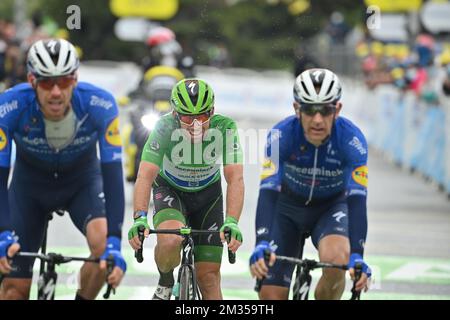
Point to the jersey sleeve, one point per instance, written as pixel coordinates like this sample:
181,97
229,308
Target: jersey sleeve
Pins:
357,154
275,153
233,150
106,116
9,111
157,143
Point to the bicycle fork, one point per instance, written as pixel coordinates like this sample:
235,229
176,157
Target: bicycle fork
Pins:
47,283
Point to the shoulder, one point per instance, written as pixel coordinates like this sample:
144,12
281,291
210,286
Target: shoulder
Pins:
347,129
96,100
16,99
22,90
221,122
351,137
165,125
285,128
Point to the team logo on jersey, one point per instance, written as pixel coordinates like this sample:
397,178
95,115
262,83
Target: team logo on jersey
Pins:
3,140
268,170
154,145
360,175
112,134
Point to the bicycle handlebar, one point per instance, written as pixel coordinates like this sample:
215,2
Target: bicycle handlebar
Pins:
55,258
313,264
58,259
184,231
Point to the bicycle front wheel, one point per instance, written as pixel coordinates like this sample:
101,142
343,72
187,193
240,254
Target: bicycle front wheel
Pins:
187,283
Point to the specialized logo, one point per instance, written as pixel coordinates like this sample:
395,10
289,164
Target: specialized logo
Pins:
339,215
192,87
3,140
112,134
51,45
262,231
154,145
269,169
214,227
169,200
361,176
317,74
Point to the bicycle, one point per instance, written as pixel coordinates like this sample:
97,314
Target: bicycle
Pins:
302,282
47,274
48,277
186,287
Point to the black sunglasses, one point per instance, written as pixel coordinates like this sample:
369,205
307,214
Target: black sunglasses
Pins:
324,109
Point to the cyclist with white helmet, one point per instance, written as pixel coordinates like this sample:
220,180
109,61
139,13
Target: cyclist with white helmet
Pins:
314,183
182,160
56,123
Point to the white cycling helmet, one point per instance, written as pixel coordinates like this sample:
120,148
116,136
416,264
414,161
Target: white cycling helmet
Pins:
317,86
52,58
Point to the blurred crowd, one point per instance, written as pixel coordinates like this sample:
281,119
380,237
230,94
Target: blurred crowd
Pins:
423,67
15,42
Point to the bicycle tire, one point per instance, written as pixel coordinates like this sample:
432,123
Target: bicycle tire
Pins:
186,281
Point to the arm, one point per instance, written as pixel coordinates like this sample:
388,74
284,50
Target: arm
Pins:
142,188
235,190
5,223
357,212
357,206
265,212
146,176
234,203
114,196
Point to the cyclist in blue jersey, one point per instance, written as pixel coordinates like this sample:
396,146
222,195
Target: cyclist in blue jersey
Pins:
314,183
56,123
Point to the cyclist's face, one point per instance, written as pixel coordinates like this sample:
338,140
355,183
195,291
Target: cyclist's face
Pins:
54,95
317,122
196,126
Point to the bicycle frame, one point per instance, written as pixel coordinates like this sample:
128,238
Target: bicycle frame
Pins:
187,258
303,278
47,271
48,278
302,282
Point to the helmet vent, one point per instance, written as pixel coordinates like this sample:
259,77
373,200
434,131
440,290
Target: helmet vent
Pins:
180,97
67,58
205,98
329,88
41,60
304,88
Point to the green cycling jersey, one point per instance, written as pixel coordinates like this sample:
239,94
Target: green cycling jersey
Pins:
191,166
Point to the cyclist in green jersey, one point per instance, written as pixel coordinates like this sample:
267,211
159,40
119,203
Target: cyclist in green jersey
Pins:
182,160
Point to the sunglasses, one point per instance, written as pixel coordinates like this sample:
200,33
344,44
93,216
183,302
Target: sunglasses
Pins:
188,120
324,109
62,82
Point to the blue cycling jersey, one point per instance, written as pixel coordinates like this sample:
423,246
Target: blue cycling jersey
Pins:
312,173
22,120
96,115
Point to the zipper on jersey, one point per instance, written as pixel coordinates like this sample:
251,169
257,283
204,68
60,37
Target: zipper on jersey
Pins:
314,177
